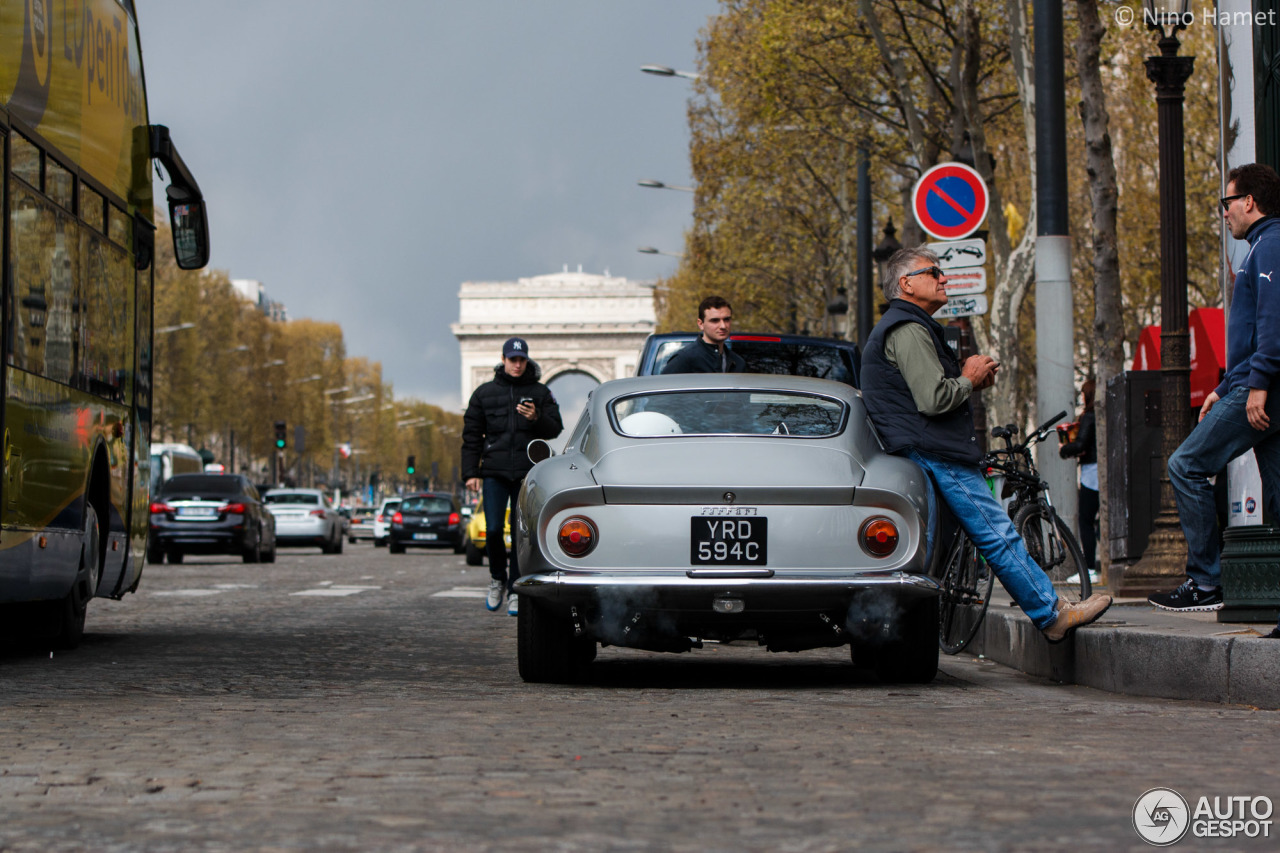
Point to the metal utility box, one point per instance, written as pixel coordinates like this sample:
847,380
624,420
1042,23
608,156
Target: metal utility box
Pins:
1134,463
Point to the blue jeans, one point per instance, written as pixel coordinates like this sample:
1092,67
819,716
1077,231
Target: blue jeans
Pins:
1223,435
965,490
499,493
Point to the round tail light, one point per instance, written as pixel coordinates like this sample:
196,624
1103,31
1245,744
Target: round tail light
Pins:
454,519
397,519
577,536
879,537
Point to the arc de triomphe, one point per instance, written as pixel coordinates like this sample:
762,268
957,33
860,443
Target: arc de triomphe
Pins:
575,322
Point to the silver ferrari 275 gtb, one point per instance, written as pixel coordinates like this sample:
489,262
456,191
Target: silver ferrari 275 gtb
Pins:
696,508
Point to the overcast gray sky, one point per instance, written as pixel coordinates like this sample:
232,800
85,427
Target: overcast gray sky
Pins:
364,159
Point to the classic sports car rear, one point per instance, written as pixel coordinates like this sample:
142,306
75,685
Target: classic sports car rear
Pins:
709,508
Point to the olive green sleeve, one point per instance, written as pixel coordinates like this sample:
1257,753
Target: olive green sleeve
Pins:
909,347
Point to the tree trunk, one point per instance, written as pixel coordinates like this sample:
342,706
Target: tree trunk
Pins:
1108,323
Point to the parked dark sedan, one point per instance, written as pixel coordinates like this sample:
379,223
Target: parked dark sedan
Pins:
790,355
426,519
211,514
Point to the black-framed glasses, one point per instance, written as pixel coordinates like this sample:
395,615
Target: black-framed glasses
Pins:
936,272
1227,199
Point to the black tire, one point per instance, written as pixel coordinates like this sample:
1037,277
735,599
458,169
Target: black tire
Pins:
475,556
460,546
395,547
175,557
155,556
1054,548
68,615
547,652
254,554
379,543
965,595
337,546
351,540
269,556
909,654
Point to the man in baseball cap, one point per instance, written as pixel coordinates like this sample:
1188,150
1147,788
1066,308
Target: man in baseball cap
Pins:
503,416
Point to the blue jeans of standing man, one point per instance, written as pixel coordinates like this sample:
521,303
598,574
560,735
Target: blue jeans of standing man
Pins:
1223,435
499,493
965,490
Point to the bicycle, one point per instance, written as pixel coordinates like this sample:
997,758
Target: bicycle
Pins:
967,581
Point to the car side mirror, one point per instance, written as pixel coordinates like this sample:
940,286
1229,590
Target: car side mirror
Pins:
539,450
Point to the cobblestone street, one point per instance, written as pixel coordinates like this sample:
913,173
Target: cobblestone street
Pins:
368,701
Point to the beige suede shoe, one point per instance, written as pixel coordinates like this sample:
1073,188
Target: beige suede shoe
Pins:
1072,616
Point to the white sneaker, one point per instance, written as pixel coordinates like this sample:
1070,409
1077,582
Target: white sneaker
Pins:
1094,578
513,605
494,599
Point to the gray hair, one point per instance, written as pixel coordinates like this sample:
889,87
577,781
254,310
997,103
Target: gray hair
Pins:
904,261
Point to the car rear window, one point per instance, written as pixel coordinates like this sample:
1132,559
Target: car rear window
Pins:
205,484
292,498
431,504
736,412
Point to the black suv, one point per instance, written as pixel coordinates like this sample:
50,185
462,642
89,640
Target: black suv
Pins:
426,519
790,355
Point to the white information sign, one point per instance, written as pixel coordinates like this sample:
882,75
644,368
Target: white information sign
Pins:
962,306
966,280
959,253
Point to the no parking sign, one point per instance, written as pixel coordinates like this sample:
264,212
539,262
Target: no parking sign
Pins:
950,201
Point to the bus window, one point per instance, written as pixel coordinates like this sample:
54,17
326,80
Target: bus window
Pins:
59,185
47,278
119,226
91,208
25,160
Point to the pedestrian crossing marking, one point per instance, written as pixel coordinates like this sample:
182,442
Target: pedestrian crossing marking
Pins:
462,592
332,590
188,593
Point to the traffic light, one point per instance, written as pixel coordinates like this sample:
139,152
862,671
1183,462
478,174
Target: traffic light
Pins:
409,467
280,436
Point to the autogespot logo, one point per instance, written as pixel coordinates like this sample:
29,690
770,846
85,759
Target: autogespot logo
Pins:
1161,817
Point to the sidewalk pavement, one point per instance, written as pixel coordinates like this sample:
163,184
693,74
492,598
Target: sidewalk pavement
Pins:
1136,649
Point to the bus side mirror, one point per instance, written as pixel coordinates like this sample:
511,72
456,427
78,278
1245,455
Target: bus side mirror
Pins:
190,226
187,216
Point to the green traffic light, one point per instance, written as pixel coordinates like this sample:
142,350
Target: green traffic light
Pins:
280,443
411,470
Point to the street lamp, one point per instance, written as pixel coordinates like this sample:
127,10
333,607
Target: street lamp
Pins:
1164,561
665,71
650,250
164,330
659,185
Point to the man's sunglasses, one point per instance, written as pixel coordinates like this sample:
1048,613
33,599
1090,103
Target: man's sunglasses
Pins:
1226,200
936,272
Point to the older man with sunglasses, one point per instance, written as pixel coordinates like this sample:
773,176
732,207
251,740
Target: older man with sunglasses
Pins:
1243,412
917,393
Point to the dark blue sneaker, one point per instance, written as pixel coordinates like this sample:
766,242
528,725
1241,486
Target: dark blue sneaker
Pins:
1188,598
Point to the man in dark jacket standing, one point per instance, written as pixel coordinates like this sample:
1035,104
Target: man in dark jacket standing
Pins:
917,394
708,354
504,415
1243,412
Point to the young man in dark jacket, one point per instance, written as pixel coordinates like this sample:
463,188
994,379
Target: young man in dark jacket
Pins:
708,354
504,415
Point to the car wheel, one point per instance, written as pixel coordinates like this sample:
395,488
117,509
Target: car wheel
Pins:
379,543
475,556
396,547
269,556
254,554
175,557
351,540
337,545
546,649
155,556
910,654
459,546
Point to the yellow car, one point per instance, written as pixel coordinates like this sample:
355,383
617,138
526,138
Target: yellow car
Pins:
475,535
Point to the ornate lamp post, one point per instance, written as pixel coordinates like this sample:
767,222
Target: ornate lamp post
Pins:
1164,562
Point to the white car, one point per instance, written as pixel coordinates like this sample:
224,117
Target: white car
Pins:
305,517
382,521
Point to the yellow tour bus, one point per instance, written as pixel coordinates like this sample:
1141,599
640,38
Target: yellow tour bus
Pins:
78,242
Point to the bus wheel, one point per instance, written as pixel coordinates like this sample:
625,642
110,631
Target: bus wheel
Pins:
70,612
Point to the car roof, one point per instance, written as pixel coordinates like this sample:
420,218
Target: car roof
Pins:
288,491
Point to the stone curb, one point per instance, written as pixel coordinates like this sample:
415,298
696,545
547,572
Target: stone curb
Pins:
1127,656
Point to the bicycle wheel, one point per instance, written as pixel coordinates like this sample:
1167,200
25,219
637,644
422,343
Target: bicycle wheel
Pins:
1055,549
966,592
